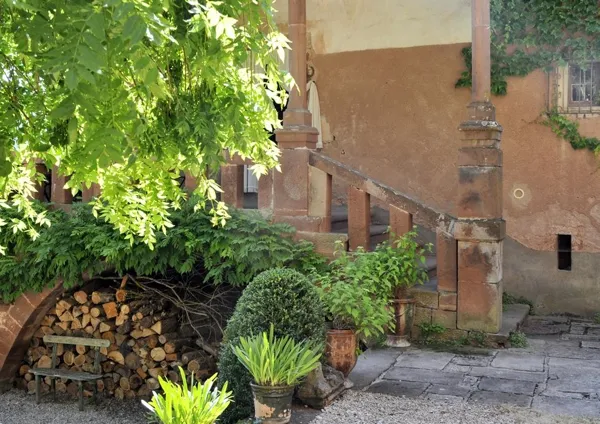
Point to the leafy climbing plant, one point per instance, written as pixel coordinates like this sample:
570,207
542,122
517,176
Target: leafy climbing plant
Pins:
131,93
541,34
77,243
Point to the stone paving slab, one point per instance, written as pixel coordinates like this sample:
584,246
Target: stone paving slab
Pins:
371,364
590,345
454,391
574,375
536,377
398,388
445,398
563,406
423,359
477,361
423,375
495,398
504,385
516,361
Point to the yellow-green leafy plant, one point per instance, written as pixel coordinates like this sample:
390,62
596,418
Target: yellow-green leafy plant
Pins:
193,404
277,361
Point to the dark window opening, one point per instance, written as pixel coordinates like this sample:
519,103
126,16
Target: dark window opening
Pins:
564,252
584,84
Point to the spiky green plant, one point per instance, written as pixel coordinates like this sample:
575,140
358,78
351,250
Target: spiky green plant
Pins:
277,361
183,404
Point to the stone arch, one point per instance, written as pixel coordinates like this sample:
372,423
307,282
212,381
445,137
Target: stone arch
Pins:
18,322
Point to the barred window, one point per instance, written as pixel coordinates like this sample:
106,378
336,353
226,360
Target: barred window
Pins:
584,83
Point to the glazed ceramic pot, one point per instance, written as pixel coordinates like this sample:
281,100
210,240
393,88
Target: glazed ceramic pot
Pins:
272,404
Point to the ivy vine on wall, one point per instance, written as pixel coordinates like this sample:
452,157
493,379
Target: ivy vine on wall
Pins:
541,34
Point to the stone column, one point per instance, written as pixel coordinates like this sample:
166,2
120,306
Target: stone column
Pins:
480,228
297,137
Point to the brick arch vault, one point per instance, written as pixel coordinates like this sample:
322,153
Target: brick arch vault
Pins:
18,322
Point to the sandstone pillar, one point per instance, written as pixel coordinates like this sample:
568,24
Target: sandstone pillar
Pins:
297,137
480,228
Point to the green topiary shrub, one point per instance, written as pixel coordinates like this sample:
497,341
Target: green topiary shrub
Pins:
282,297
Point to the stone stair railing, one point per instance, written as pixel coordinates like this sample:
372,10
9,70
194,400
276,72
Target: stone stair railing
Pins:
435,303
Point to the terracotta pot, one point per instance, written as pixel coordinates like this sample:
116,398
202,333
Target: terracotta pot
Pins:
272,404
341,350
404,311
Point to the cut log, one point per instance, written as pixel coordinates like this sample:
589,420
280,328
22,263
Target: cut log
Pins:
120,339
61,387
136,334
101,297
110,309
158,354
125,310
165,325
135,381
63,306
156,372
152,383
76,311
167,337
31,387
79,360
193,365
69,358
123,371
104,327
95,323
119,393
190,356
48,321
110,336
171,357
80,296
85,320
89,329
121,295
121,319
100,385
151,341
145,322
116,356
124,384
75,324
66,316
35,342
173,376
108,366
95,312
43,331
144,391
85,309
143,374
72,388
24,369
103,351
132,361
44,362
81,349
125,328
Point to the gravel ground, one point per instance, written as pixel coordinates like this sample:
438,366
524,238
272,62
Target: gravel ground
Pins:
368,408
16,407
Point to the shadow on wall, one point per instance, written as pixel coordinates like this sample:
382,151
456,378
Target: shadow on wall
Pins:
535,275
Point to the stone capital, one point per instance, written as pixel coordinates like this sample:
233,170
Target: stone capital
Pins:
297,136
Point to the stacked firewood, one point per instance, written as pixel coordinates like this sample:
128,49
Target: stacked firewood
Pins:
149,339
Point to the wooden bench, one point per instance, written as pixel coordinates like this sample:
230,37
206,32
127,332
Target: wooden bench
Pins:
78,376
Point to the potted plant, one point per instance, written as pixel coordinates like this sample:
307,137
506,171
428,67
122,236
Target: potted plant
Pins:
277,365
395,267
354,305
180,404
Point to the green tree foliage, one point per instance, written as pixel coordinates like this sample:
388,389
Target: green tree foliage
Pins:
129,94
282,297
78,243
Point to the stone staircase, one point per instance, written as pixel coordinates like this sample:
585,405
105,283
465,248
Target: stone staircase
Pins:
379,232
